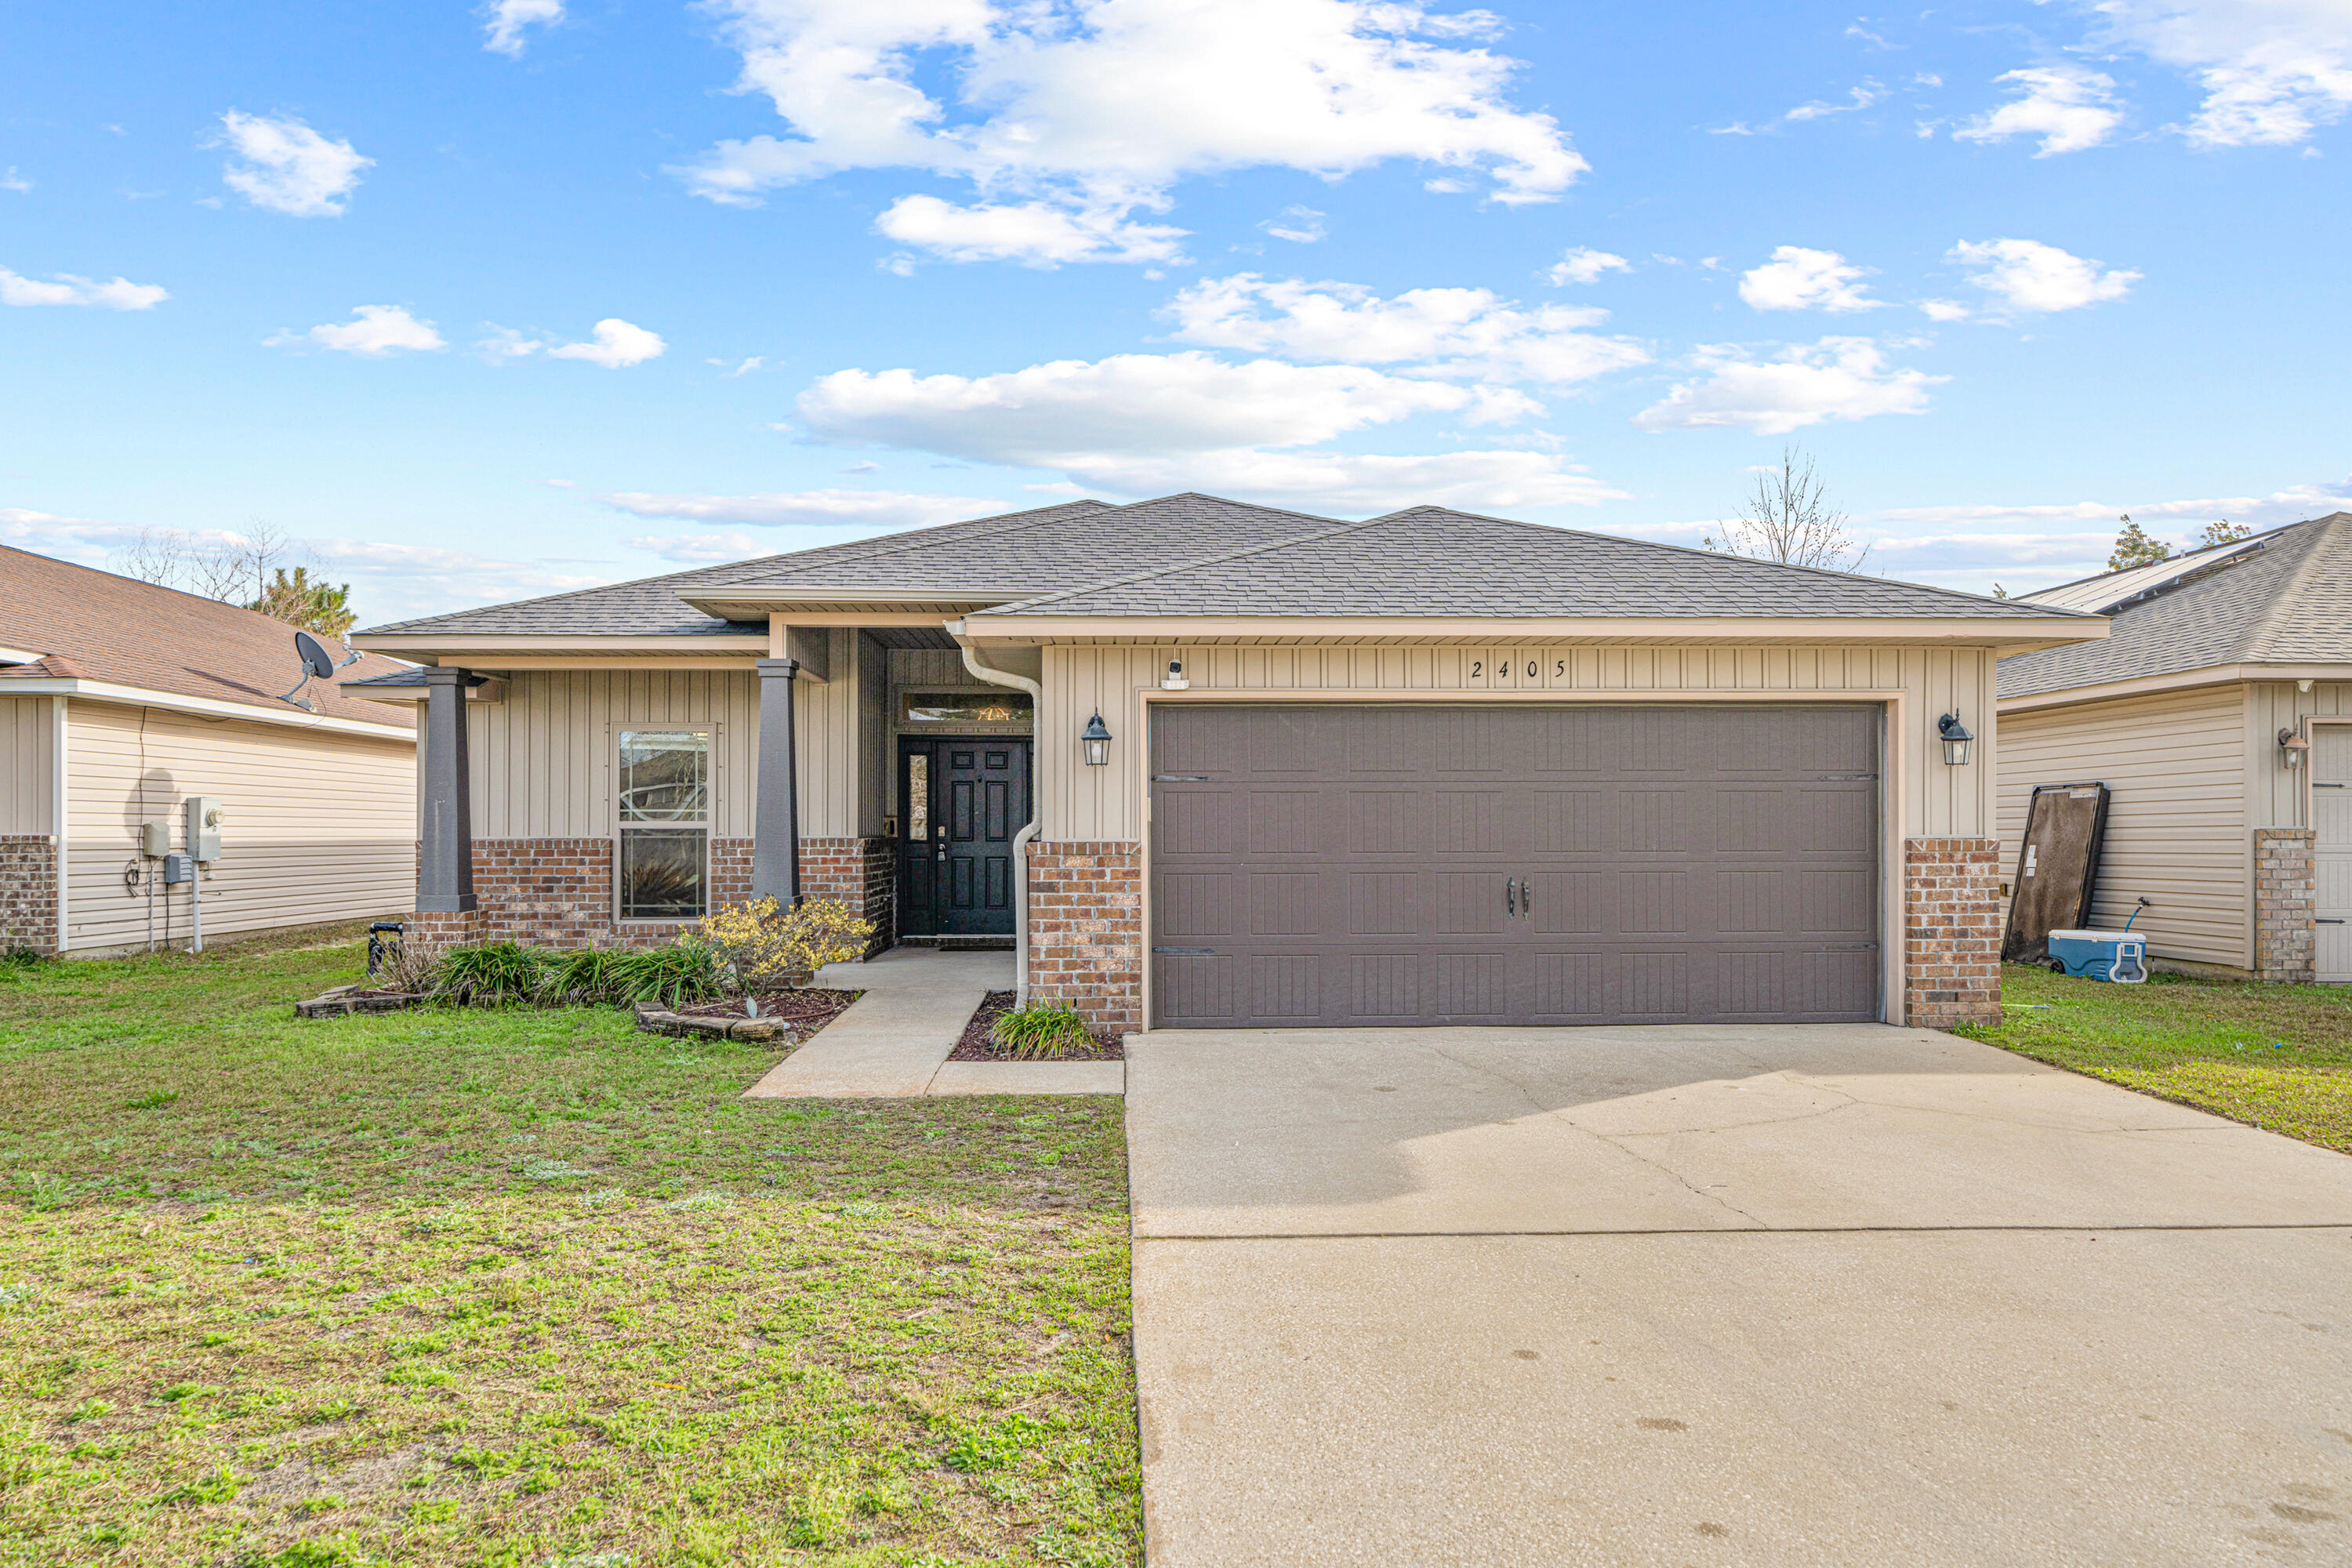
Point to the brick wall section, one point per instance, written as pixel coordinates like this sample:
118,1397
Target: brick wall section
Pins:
2286,939
558,892
1086,928
430,933
28,893
862,873
1951,931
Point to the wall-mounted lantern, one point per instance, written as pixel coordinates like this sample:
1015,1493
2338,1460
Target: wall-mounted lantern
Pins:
1957,739
1175,679
2292,748
1096,739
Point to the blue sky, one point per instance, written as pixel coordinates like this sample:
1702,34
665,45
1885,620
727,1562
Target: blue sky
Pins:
477,303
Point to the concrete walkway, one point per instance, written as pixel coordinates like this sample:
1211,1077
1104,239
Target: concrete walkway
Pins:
893,1042
1758,1295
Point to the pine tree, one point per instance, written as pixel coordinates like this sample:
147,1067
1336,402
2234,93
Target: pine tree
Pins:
2134,548
318,608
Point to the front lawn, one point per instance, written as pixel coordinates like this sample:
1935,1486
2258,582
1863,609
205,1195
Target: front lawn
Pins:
2278,1057
532,1288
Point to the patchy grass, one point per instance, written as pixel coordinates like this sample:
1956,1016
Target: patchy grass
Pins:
2278,1057
530,1287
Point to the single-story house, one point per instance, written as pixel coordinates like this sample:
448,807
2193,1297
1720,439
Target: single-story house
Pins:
1212,765
2219,714
122,701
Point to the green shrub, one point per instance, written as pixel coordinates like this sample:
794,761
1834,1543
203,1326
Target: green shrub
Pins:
1042,1031
585,976
671,975
495,974
768,945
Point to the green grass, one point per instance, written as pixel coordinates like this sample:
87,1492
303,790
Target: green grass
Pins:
2278,1057
530,1287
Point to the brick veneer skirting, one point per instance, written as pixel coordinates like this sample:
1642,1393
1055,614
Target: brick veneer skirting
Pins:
1086,928
2286,937
1951,931
28,893
558,892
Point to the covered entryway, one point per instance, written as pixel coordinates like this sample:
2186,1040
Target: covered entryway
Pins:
961,799
1382,865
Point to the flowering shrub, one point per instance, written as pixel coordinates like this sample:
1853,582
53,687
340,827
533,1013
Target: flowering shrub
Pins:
768,945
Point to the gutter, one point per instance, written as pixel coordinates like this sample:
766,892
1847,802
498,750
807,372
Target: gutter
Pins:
202,707
996,677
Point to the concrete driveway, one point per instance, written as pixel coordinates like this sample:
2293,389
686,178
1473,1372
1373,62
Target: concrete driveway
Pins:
1831,1294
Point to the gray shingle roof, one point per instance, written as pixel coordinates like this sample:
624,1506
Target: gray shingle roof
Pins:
1200,555
1431,560
2288,603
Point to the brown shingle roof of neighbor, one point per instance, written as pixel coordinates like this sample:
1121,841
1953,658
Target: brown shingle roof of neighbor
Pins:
1195,554
2286,601
94,626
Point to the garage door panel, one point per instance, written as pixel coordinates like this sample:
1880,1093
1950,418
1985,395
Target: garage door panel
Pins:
1668,874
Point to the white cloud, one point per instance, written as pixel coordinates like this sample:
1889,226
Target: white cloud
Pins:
1343,482
1468,332
808,509
504,21
1945,309
2028,276
284,165
1036,234
1862,97
2272,70
615,344
1300,225
1837,378
13,181
2068,107
1580,264
1102,113
376,331
66,288
1797,279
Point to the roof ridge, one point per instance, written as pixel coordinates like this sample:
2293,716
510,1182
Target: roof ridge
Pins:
1217,559
2314,558
2252,539
1722,555
916,538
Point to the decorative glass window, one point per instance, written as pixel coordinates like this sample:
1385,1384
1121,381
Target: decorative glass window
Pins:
964,707
664,779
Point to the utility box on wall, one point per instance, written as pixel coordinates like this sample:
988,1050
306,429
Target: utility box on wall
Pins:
204,816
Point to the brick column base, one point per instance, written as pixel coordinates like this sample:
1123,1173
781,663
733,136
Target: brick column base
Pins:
1085,930
28,893
2286,939
1951,931
424,932
862,873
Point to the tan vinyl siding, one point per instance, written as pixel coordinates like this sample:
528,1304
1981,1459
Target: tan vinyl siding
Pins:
544,759
320,826
1097,804
26,765
2276,799
2177,822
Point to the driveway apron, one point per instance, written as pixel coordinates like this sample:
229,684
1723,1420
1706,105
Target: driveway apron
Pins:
1819,1294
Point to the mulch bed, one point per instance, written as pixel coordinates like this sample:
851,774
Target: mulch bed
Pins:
976,1047
807,1009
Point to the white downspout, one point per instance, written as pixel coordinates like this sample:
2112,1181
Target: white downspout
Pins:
996,677
59,729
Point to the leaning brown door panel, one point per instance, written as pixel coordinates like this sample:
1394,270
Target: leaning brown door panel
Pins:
1399,865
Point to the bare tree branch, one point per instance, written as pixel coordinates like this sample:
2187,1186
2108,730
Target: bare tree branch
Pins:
1790,519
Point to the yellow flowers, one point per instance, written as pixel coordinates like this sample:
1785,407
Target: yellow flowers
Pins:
769,945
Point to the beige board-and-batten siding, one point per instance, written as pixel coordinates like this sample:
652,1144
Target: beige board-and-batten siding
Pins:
2277,796
2178,821
1106,803
321,825
28,764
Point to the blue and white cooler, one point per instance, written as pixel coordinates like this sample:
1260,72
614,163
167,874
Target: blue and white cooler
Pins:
2112,956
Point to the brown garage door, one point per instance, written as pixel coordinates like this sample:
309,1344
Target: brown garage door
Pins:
1375,865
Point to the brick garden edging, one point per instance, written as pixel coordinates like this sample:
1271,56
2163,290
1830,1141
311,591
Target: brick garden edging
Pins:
1951,931
1086,928
2287,904
28,893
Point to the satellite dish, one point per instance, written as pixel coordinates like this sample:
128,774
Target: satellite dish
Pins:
317,662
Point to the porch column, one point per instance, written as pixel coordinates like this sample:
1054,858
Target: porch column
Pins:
776,817
445,864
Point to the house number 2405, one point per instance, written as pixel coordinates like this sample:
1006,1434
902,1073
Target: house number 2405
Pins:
1503,666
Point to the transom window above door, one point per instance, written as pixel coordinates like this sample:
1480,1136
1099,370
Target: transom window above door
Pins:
964,707
665,826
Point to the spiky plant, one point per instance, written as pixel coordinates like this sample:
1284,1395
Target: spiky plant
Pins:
1042,1031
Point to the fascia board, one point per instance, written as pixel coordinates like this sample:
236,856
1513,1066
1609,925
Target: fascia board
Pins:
2176,680
2005,632
425,650
204,707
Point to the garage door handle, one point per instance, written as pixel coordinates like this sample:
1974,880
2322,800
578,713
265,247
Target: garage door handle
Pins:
1527,895
2330,921
1510,896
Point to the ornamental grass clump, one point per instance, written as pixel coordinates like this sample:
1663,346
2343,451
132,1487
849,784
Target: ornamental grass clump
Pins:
1042,1032
768,946
495,974
687,969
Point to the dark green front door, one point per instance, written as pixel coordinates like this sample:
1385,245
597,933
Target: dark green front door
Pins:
960,801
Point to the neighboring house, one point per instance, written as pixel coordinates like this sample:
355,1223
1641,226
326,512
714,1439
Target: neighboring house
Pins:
1425,768
2219,713
119,701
